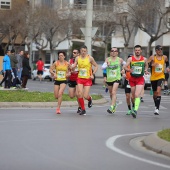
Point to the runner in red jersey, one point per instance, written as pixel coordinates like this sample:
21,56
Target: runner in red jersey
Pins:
40,68
72,82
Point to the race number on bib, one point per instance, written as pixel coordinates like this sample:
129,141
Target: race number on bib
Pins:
159,68
83,72
112,73
137,70
61,74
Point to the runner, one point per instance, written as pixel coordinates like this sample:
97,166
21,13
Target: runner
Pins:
157,63
113,68
85,76
166,90
40,68
138,65
59,70
72,82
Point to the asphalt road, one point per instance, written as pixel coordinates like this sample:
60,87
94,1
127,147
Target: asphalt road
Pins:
36,139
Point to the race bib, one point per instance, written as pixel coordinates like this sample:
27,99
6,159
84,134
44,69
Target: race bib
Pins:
137,70
159,68
83,72
112,73
61,74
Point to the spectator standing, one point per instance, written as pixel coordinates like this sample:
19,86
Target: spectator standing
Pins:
40,68
7,70
26,69
19,65
14,62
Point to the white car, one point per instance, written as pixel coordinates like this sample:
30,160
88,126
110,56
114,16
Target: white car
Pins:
46,73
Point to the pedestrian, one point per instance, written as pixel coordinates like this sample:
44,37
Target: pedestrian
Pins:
166,90
7,70
72,80
26,70
59,70
19,65
40,68
138,66
85,75
129,99
14,61
104,80
113,68
157,63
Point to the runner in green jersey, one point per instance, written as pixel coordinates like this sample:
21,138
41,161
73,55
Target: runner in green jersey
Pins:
113,67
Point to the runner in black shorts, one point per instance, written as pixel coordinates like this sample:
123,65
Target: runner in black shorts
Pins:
166,90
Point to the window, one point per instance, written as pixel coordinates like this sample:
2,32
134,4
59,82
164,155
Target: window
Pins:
5,4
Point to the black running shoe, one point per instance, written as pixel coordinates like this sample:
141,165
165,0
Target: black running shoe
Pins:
134,113
79,110
83,112
90,103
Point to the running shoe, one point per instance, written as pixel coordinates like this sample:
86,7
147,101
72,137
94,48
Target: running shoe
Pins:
90,103
141,99
83,112
129,112
165,91
79,110
106,89
134,113
156,112
111,110
104,86
58,111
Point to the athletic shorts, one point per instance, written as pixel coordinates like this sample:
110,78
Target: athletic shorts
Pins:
56,82
111,83
157,83
104,75
133,81
72,84
166,76
85,82
39,72
127,86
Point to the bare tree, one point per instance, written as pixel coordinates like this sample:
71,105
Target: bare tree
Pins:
151,17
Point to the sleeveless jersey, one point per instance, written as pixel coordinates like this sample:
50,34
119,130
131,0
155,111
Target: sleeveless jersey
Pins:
84,67
158,71
113,70
74,75
61,70
137,66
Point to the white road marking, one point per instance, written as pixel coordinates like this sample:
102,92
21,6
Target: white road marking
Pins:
110,143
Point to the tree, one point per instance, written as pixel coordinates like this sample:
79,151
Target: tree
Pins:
151,17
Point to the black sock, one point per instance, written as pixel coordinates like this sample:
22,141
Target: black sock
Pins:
165,87
158,101
129,107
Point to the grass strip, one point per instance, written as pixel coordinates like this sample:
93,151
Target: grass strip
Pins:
25,96
165,134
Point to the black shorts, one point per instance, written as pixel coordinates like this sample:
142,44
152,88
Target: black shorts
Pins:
111,83
72,84
127,86
157,83
39,72
166,76
56,82
104,75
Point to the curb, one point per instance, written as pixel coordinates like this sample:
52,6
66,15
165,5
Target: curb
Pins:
156,144
46,104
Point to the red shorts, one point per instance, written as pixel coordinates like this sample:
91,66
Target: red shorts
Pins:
85,82
133,81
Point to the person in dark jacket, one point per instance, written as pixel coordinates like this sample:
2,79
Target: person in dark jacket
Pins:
14,62
26,69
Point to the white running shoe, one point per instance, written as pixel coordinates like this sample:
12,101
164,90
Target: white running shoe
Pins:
156,112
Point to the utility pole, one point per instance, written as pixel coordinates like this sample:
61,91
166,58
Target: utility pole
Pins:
88,30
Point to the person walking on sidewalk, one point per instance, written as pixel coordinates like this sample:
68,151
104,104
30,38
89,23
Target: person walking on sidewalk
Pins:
40,68
157,63
7,70
113,71
14,62
59,70
138,65
19,64
72,80
85,76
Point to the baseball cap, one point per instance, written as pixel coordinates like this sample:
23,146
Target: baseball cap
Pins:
158,47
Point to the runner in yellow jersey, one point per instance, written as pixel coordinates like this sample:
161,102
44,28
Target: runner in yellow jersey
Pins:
157,63
59,71
85,76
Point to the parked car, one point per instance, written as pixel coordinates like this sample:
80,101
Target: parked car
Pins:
46,73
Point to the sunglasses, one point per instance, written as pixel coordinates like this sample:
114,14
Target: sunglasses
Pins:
113,51
74,52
